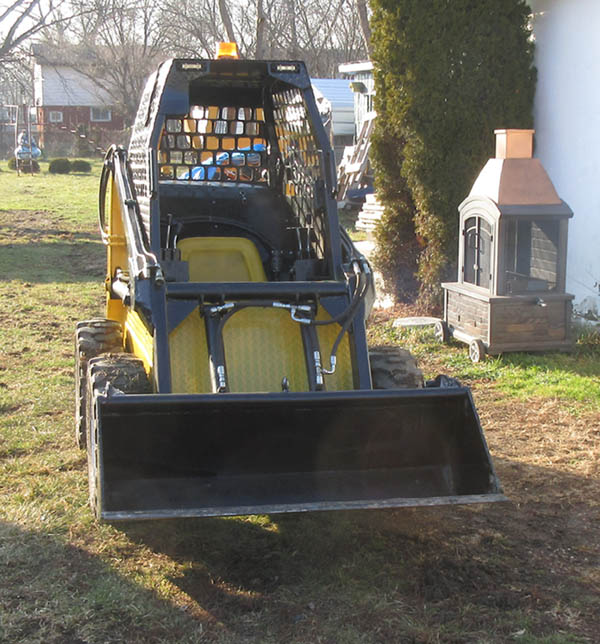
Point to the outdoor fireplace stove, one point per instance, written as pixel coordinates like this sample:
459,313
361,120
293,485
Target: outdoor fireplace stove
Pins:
510,294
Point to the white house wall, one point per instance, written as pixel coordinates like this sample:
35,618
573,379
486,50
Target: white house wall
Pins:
58,85
567,123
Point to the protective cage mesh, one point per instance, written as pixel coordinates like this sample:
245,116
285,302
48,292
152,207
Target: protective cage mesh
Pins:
214,143
226,143
302,159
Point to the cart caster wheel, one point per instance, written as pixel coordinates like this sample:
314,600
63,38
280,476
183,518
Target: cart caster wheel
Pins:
476,351
440,331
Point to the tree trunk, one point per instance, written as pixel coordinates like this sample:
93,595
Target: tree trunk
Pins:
293,48
224,11
363,16
261,24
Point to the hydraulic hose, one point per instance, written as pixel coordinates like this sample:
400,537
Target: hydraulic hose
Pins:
357,297
346,317
361,289
104,178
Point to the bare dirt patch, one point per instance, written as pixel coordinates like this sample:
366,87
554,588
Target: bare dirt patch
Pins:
535,561
523,571
34,243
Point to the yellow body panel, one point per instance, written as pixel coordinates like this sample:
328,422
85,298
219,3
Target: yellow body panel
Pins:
222,259
116,254
115,309
139,340
189,356
117,247
263,346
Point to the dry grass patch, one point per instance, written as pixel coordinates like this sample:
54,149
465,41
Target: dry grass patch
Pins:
524,571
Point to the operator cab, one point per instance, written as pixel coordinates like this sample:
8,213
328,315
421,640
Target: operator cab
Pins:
237,159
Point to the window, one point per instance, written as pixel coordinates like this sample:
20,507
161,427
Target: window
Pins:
531,256
477,252
55,116
100,114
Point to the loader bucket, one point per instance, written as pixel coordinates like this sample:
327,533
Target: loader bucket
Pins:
171,455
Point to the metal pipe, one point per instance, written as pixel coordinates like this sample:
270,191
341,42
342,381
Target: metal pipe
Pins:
254,290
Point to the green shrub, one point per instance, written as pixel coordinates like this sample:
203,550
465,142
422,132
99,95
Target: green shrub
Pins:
397,249
59,166
446,75
12,165
79,165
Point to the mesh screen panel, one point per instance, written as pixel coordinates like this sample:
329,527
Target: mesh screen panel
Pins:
214,143
302,159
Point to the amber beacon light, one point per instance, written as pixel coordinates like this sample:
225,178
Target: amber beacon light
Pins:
227,50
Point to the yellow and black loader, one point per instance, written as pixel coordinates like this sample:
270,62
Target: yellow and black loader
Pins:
231,374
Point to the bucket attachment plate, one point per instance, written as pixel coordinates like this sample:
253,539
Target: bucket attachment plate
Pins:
169,455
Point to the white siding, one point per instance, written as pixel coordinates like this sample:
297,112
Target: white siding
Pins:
59,85
363,101
37,84
340,96
567,123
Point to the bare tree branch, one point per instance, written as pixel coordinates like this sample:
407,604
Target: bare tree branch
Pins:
118,42
25,19
118,52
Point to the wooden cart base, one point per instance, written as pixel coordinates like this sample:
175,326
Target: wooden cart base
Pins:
496,324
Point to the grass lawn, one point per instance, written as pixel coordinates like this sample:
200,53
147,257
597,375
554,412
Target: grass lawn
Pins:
524,571
571,377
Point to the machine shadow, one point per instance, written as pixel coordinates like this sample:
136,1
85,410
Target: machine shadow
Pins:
255,555
527,554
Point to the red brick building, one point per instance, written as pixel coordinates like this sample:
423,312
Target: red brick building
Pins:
69,103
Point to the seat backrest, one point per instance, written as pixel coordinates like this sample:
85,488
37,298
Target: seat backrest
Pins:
222,259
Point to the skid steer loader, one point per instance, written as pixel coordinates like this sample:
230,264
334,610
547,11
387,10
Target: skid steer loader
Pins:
231,374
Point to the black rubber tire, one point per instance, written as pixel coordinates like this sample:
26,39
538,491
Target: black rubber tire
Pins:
92,338
441,332
476,351
124,372
394,368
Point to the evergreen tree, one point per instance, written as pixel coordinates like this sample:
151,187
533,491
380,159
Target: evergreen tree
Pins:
447,73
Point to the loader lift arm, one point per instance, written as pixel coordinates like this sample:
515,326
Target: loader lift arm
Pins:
143,263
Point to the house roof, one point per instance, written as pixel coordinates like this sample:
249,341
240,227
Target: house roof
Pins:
336,90
353,68
57,82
